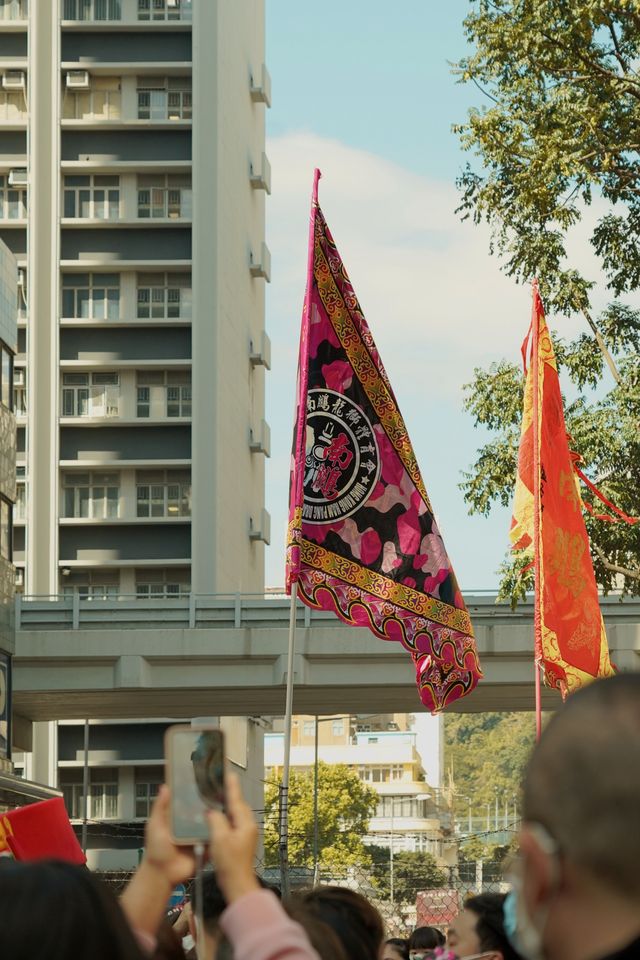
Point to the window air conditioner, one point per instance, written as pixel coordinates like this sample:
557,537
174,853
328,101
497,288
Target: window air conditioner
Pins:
17,178
260,351
14,80
78,80
261,267
260,439
261,529
261,90
261,178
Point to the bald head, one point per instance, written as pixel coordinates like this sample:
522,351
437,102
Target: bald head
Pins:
583,782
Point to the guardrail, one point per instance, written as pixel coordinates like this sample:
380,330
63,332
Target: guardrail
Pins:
237,611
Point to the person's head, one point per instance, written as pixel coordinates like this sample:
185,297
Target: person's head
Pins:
213,905
479,929
52,911
423,940
322,937
356,922
579,843
395,948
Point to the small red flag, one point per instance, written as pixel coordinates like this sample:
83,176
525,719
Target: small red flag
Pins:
40,831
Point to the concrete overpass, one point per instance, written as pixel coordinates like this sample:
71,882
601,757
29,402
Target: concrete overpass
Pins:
211,655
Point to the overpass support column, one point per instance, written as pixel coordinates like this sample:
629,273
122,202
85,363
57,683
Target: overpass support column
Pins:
44,755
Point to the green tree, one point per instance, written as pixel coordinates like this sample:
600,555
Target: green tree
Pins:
561,134
487,754
412,872
345,805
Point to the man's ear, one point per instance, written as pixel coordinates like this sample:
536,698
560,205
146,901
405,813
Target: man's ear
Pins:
539,868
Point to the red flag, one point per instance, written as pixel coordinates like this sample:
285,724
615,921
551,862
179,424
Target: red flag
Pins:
40,831
363,541
570,639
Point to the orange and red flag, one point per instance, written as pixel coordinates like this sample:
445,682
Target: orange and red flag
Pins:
570,639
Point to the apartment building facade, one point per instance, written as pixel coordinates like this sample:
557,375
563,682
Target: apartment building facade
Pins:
132,192
411,814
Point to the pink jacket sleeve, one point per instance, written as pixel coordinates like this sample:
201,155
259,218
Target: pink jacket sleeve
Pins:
259,929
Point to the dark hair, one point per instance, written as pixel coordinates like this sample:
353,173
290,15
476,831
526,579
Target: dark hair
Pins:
357,923
426,938
213,901
399,945
322,937
52,911
490,923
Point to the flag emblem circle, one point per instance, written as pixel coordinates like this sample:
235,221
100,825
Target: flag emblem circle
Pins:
342,459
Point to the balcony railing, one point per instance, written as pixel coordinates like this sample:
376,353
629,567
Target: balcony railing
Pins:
14,10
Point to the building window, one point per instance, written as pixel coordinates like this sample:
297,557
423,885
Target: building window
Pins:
158,584
91,585
95,496
163,393
163,493
90,395
103,801
13,201
164,296
14,9
6,510
164,98
92,10
92,197
20,392
20,506
91,296
164,10
145,795
102,101
337,728
164,196
6,377
308,728
379,774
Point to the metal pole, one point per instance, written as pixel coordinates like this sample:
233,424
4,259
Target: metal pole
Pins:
470,826
315,807
496,820
288,717
85,787
391,877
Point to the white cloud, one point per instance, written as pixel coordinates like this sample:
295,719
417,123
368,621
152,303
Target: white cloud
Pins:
435,300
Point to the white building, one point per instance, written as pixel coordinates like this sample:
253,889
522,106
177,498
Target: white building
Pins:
133,180
132,162
410,815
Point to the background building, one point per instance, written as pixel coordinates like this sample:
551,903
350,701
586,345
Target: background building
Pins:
133,181
411,814
132,192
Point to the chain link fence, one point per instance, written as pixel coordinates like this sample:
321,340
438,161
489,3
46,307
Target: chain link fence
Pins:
403,905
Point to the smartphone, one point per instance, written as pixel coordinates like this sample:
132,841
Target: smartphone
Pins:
194,762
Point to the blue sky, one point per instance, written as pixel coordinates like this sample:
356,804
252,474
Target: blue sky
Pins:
364,90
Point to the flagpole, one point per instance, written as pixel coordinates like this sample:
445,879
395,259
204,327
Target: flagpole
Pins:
288,717
537,618
298,496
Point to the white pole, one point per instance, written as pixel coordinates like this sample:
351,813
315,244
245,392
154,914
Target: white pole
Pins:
288,716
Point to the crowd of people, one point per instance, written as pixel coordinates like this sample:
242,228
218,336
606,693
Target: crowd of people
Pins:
575,887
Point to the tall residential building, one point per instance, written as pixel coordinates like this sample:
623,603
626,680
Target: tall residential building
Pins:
132,191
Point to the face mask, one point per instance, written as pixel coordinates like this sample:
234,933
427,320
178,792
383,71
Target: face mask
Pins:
523,932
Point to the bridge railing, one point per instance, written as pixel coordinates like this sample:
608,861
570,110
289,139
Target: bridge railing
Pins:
265,610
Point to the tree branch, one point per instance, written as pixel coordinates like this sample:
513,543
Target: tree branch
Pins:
602,345
614,567
614,37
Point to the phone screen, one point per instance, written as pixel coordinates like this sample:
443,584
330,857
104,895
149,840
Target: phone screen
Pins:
195,768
